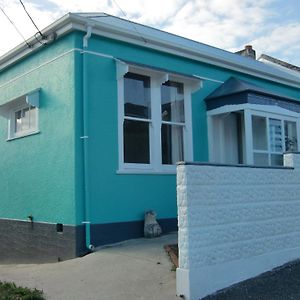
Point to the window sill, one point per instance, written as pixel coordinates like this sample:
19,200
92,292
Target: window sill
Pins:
147,172
23,135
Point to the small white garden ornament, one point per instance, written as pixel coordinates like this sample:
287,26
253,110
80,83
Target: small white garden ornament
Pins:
151,227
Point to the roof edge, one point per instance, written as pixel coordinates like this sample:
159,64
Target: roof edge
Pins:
253,91
72,21
60,27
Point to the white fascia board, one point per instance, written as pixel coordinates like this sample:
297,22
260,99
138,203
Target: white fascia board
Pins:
148,39
253,107
159,43
60,27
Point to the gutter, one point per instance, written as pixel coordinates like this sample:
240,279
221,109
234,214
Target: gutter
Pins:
198,52
85,140
194,50
57,29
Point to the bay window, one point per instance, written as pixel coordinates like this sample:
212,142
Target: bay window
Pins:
248,124
256,135
271,137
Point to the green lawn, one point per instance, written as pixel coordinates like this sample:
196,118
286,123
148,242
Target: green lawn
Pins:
9,291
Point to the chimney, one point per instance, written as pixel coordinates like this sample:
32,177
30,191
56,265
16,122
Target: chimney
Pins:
247,52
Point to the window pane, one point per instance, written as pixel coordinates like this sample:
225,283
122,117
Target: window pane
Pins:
18,123
172,101
259,132
137,96
136,142
275,132
172,143
261,159
32,117
25,119
291,143
276,159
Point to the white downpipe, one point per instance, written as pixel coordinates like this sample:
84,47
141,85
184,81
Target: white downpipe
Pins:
87,36
85,139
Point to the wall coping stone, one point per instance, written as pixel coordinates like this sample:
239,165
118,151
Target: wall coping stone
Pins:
186,163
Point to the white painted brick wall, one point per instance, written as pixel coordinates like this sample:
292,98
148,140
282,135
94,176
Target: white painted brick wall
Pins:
235,223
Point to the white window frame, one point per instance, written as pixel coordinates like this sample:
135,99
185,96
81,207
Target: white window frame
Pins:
155,123
281,118
12,134
9,109
267,111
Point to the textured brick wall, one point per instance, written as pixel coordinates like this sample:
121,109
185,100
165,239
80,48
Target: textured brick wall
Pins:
234,223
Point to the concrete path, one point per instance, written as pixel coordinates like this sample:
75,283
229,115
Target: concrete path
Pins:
136,269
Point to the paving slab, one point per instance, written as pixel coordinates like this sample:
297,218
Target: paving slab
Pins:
136,269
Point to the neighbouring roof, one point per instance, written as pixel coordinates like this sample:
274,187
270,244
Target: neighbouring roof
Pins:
113,27
279,62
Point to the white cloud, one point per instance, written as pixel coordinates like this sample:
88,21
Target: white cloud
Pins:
9,36
227,24
283,41
220,23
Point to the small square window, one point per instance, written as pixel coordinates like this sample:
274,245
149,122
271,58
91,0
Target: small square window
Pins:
22,114
23,121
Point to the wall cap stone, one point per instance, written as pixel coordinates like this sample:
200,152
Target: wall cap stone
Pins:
186,163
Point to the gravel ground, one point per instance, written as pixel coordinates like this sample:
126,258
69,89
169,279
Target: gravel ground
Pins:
279,284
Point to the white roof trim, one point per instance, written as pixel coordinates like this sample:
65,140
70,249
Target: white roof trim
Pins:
116,28
60,27
254,107
123,67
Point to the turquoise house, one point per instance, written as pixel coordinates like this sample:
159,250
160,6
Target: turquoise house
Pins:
95,114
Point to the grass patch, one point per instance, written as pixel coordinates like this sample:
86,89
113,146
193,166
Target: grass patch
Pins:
9,291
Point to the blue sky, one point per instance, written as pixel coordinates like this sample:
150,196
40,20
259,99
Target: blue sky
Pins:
271,26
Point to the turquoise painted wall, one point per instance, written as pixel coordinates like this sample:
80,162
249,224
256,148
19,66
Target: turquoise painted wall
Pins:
43,174
37,172
125,197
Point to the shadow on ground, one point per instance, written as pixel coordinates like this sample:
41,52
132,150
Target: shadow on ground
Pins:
279,284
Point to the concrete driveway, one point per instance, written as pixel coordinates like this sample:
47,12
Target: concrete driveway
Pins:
136,269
